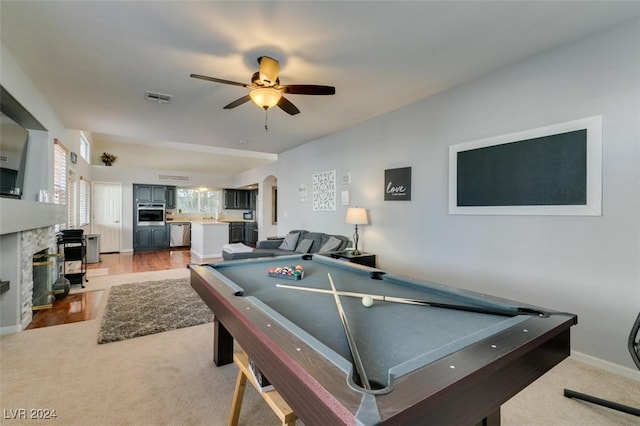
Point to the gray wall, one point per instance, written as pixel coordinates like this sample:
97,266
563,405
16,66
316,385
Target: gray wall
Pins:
586,265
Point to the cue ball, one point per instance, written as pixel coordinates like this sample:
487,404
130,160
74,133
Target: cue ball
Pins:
367,301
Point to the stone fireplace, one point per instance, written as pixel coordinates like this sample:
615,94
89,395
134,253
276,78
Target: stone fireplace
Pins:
26,227
18,250
34,240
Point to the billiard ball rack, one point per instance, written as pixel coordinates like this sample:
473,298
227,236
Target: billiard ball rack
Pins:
287,272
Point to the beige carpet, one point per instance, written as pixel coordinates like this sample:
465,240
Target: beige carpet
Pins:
169,379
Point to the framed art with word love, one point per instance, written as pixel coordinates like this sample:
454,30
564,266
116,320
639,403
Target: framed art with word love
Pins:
397,184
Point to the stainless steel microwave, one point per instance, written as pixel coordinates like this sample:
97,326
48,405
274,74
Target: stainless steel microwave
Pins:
150,214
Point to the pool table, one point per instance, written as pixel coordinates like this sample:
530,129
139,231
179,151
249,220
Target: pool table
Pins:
426,364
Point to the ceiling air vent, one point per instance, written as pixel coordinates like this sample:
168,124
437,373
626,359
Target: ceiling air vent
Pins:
175,177
157,97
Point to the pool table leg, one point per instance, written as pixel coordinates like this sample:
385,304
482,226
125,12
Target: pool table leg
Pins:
222,344
492,419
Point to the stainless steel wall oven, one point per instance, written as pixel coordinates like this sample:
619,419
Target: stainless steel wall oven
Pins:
150,214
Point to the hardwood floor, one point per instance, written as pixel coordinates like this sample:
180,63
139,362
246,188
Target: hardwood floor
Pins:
73,308
85,306
143,261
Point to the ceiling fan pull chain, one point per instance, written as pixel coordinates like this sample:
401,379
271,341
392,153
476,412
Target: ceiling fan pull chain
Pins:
266,124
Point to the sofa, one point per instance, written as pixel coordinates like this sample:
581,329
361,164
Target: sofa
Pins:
295,242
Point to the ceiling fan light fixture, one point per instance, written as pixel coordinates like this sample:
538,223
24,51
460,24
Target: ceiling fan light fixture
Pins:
265,97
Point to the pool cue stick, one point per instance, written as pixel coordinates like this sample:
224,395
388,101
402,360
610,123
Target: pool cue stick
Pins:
392,299
352,343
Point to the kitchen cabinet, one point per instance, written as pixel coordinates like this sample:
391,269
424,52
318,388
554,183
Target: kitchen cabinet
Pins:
171,197
253,196
143,193
243,232
151,238
236,199
250,231
236,232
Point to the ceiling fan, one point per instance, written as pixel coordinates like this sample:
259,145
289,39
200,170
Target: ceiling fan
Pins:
266,91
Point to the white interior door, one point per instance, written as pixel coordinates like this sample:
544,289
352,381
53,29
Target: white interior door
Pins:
107,215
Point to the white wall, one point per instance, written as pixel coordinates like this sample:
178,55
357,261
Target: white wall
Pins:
586,265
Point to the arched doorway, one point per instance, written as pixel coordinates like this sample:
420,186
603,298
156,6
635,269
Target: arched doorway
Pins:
269,208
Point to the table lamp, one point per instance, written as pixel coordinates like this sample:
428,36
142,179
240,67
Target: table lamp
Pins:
356,216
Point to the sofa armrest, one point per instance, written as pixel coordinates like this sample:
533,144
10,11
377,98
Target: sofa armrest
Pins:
269,244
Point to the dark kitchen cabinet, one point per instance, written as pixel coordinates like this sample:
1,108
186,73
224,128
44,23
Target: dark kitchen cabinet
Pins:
151,238
236,199
171,197
253,196
250,233
150,193
236,232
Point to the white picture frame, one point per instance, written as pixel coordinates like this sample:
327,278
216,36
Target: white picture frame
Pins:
593,205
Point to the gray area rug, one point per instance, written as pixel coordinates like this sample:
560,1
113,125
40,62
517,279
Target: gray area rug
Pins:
140,309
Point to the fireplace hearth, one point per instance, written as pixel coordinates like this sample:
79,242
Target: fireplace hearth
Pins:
43,271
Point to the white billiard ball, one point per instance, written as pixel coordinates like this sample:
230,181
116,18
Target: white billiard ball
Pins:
367,301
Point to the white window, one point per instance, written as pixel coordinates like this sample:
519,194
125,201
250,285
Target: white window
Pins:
85,201
85,147
59,173
72,195
193,200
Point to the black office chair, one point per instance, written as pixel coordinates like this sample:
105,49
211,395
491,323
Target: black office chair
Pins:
634,350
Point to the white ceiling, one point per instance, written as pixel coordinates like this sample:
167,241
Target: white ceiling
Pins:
94,60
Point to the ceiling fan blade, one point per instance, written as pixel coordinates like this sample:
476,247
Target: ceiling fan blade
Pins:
287,106
269,69
238,102
218,80
308,89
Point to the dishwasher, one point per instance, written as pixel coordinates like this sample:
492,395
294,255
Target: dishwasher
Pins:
180,234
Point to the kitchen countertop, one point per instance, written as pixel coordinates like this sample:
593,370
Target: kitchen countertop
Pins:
209,221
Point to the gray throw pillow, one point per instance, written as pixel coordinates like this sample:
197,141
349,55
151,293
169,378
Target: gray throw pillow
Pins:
304,246
332,244
290,242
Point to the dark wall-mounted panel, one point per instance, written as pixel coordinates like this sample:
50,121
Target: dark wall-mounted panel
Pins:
550,170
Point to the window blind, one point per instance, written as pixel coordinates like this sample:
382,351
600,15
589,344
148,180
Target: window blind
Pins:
59,173
72,196
85,202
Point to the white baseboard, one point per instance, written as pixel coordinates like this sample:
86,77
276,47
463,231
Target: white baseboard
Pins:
10,329
606,365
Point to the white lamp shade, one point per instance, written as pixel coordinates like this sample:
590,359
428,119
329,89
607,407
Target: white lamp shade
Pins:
265,97
357,216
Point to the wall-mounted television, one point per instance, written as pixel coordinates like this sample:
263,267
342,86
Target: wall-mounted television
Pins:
13,156
15,123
